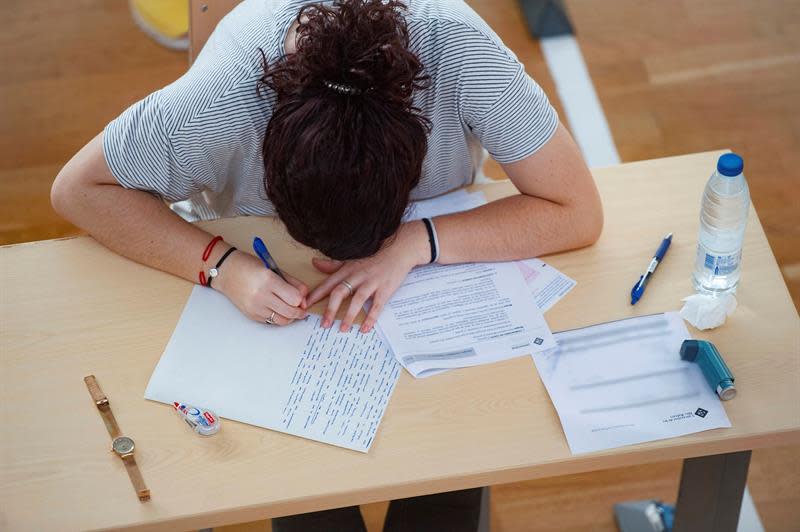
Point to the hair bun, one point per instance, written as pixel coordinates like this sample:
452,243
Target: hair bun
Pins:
353,47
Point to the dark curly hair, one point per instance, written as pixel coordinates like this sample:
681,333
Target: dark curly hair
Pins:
345,145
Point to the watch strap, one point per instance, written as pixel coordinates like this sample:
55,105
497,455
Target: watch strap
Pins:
97,394
136,477
101,401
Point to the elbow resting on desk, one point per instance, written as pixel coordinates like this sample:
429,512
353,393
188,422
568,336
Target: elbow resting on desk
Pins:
588,220
563,204
556,227
558,208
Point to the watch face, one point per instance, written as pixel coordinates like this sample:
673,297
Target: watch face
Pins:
122,445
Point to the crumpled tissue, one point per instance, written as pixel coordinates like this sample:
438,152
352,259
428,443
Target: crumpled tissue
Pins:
707,311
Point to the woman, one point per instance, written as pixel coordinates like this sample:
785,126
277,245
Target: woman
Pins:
335,136
334,116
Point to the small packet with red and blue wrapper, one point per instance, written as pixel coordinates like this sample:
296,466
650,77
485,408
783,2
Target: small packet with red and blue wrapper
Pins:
204,422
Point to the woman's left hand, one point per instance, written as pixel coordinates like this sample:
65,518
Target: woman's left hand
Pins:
376,277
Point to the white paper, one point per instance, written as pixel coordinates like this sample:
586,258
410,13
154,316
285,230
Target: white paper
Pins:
300,379
547,285
624,382
457,201
460,315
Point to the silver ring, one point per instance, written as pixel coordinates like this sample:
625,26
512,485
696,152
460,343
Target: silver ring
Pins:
271,319
348,286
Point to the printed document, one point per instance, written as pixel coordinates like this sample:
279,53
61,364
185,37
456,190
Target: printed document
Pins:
624,382
459,315
547,285
299,379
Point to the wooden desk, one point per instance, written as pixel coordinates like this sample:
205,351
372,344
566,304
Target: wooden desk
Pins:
71,308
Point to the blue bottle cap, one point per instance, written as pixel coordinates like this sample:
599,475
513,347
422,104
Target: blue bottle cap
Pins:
730,165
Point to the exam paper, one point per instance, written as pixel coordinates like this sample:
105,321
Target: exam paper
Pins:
299,379
460,315
547,285
624,382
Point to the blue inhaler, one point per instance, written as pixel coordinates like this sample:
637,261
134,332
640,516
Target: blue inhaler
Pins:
713,367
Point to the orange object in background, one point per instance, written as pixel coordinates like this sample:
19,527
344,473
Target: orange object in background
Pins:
165,21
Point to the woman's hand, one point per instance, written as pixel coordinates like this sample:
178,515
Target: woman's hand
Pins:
258,292
376,277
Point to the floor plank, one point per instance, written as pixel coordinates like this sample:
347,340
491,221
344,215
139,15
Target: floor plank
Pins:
68,69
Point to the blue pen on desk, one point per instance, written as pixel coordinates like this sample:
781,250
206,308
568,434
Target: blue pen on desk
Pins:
261,250
638,288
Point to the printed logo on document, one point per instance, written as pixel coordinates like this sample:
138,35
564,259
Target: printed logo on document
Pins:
538,341
701,412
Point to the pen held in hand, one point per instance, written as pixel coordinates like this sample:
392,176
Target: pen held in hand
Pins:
261,250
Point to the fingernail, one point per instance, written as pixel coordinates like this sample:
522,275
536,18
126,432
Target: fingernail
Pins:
326,323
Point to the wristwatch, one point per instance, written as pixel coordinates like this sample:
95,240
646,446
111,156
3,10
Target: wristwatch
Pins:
122,445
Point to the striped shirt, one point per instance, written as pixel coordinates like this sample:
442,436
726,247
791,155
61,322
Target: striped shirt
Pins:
200,138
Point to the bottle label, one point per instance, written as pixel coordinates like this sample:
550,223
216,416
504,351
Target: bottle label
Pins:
720,264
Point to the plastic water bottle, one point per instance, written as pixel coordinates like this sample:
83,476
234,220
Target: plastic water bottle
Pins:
723,216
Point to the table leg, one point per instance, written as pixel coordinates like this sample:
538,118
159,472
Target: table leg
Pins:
483,522
710,494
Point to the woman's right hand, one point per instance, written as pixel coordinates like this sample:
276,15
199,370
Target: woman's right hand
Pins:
257,291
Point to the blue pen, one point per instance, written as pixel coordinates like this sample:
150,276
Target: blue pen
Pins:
261,250
638,288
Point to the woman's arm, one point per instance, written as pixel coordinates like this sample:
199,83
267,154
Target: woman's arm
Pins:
141,227
558,208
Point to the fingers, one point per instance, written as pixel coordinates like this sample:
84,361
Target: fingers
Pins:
290,294
301,287
280,306
378,302
360,297
266,313
326,265
297,283
338,294
325,287
277,320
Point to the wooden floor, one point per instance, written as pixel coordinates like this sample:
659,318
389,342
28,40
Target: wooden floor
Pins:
673,77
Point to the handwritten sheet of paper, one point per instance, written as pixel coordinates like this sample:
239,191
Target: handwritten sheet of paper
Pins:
460,315
624,382
300,379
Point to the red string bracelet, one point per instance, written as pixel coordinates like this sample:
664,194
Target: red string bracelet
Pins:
210,246
207,253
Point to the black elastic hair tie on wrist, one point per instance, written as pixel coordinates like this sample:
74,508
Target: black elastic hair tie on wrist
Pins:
213,272
431,239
